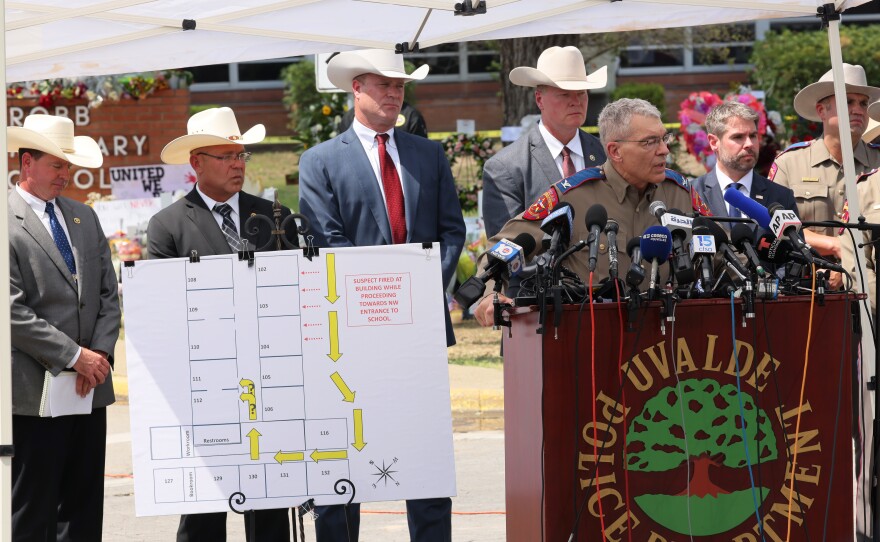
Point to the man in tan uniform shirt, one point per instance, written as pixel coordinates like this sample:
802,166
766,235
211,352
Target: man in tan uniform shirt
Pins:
634,175
813,169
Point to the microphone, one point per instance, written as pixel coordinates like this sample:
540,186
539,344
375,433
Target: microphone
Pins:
680,227
656,244
703,247
611,234
558,224
749,207
596,219
723,243
636,275
786,223
741,235
506,258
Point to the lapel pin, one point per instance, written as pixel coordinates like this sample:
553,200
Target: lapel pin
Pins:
76,220
759,196
253,214
592,158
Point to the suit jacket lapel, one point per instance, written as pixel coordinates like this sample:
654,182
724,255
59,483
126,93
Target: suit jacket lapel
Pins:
409,167
366,182
714,197
542,157
35,228
203,220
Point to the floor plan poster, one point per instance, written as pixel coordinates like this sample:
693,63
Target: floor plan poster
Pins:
279,378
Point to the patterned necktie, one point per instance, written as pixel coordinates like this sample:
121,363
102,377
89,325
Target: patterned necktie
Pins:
732,211
60,238
228,227
393,192
567,164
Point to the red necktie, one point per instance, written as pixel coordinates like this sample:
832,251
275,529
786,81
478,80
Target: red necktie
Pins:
393,192
567,165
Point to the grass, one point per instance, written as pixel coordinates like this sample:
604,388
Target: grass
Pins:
270,168
475,345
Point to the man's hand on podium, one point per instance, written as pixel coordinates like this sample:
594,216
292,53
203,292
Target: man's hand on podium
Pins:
485,311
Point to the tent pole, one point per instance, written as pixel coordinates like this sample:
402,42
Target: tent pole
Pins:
5,338
865,489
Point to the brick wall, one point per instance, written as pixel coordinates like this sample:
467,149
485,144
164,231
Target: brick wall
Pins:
251,107
442,103
130,132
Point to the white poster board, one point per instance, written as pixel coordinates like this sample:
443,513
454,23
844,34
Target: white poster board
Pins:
280,378
150,181
120,215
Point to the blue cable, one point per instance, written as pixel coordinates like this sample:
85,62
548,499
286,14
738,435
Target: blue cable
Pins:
743,417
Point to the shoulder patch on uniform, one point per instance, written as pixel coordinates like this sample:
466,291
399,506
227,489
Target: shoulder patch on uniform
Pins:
678,179
579,178
542,207
796,146
864,176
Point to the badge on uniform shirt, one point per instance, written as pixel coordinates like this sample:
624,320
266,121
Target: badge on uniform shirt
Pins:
541,208
401,120
809,179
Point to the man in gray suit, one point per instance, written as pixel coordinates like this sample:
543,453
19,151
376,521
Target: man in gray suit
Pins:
65,322
551,150
209,220
375,185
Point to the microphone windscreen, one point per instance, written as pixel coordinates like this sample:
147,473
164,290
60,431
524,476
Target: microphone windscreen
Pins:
634,243
596,216
656,244
527,242
740,234
714,229
773,250
749,207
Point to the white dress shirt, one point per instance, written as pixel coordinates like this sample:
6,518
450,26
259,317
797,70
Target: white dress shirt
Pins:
233,202
555,146
367,137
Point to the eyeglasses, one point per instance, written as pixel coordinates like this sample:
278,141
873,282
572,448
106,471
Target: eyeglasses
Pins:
229,158
650,143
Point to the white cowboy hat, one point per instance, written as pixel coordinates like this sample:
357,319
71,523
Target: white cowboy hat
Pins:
54,135
560,67
853,77
215,126
873,130
344,67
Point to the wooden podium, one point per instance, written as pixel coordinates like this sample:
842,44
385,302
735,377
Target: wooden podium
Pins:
645,483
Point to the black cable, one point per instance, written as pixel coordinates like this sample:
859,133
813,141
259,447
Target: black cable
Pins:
865,302
577,410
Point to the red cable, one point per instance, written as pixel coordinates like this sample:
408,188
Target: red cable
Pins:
623,404
595,429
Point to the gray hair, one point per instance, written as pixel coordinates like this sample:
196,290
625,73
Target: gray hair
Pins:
716,120
615,117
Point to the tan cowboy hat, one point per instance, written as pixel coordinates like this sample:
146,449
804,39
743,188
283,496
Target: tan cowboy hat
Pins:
54,135
215,126
561,67
855,80
873,130
344,67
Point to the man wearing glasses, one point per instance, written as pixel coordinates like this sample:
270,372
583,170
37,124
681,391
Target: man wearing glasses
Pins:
636,144
209,220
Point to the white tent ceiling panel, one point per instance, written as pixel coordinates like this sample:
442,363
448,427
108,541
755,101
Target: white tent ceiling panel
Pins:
61,38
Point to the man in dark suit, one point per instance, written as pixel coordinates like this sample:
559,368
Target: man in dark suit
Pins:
375,185
210,220
65,322
733,136
551,150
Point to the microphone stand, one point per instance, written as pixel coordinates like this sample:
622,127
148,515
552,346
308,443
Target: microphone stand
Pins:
498,320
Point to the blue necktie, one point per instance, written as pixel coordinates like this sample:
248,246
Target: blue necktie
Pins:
60,238
732,211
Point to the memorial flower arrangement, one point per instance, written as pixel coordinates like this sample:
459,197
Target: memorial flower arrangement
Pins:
97,89
693,121
467,154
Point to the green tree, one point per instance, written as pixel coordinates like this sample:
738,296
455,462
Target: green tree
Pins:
786,61
710,438
652,92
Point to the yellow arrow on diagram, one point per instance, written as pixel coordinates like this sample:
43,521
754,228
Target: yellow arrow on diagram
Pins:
252,402
359,429
347,394
254,435
334,354
331,454
249,384
281,457
331,278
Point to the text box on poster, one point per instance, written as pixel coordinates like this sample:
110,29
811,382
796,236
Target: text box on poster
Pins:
379,300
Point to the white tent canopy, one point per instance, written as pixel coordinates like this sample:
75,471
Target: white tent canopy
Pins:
64,38
48,39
